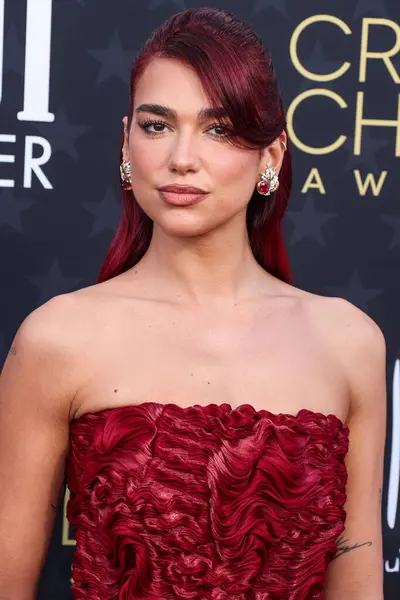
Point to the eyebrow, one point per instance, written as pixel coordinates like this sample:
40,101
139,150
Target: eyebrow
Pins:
166,111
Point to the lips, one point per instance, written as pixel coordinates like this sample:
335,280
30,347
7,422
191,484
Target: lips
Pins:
182,189
175,199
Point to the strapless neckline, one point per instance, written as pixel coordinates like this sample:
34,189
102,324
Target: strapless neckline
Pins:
214,409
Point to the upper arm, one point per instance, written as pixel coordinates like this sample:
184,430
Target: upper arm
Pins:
36,389
357,569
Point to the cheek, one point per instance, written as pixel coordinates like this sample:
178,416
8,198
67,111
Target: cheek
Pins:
144,161
237,176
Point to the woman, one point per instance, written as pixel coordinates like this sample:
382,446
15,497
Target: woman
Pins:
222,431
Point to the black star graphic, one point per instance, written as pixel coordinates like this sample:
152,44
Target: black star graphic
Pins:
80,2
355,292
317,63
279,5
369,147
377,7
61,133
115,61
394,222
308,222
180,4
11,209
107,212
14,51
53,283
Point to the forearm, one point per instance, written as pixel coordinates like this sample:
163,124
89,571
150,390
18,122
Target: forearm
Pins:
17,596
354,591
28,596
360,594
18,591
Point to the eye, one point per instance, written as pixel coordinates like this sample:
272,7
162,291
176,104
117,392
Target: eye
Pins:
146,124
223,127
151,122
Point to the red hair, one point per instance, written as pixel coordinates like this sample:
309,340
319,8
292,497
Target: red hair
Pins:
236,72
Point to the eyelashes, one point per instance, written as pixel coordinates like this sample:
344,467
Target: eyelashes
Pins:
150,122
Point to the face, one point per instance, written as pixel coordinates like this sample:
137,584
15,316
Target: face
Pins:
188,151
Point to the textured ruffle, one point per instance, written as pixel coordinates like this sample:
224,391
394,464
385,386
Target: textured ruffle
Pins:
205,502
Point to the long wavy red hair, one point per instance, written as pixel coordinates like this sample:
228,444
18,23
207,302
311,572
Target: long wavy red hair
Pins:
237,73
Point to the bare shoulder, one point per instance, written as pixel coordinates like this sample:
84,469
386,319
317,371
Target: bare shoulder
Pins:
346,324
343,326
64,324
48,327
44,355
355,340
65,316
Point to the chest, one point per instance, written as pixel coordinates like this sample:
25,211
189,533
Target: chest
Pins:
270,358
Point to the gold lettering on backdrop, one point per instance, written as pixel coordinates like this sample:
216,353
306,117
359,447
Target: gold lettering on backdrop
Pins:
313,181
361,121
295,38
290,118
369,27
384,55
370,181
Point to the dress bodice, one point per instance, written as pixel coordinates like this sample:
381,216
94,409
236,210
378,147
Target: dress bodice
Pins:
205,502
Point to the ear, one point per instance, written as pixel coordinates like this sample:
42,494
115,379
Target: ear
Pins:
272,155
125,145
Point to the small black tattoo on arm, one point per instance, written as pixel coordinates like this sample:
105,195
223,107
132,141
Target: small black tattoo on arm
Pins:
13,350
56,506
342,548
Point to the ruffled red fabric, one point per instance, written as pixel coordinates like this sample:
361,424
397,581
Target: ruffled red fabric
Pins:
205,502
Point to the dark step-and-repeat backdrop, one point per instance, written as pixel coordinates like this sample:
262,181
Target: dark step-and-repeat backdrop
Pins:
64,70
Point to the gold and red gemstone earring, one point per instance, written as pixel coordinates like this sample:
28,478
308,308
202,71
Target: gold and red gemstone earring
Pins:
125,172
269,179
269,182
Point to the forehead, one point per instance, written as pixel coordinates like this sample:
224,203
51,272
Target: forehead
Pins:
172,85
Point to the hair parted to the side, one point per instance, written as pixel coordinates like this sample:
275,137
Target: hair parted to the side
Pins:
237,73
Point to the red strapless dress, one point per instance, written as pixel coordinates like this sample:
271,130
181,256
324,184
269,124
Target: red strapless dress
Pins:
205,502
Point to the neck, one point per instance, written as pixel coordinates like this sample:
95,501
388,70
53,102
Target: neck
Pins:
216,268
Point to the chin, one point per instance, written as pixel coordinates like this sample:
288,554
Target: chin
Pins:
183,226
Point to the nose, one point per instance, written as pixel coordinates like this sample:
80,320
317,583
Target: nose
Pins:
183,154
